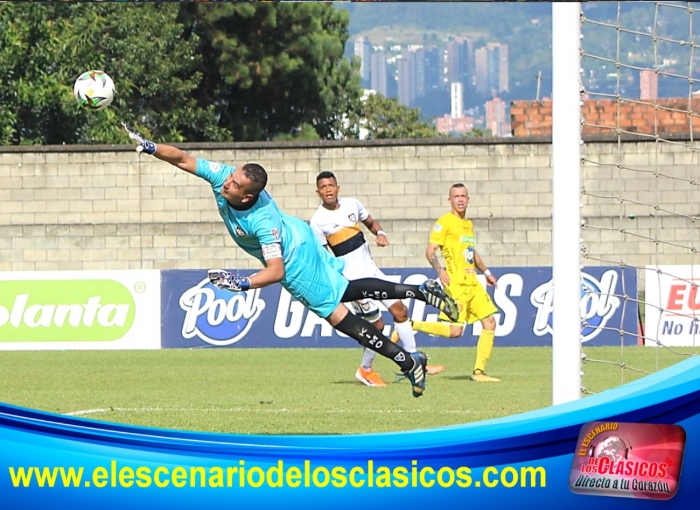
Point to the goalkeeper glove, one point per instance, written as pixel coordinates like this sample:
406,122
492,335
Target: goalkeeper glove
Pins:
142,145
228,281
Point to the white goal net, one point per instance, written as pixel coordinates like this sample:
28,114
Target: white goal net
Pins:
640,177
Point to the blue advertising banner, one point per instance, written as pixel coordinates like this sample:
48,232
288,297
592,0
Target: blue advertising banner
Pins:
197,314
587,453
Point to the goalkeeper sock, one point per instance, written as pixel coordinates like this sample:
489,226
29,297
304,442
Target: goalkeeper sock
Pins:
483,349
369,336
433,328
406,335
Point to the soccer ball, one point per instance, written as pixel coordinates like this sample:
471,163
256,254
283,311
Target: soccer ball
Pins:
94,90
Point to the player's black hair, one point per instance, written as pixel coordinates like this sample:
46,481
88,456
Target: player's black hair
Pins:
258,178
458,185
326,175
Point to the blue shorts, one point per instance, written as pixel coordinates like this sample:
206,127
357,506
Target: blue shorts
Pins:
312,274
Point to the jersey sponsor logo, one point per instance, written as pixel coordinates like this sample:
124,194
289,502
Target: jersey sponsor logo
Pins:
219,317
239,231
466,239
598,304
469,255
215,168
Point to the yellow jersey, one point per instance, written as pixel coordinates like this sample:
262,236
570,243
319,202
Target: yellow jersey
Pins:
455,237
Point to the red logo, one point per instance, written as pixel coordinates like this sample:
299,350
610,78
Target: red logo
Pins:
628,460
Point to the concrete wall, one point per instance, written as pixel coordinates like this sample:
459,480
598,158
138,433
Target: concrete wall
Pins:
107,208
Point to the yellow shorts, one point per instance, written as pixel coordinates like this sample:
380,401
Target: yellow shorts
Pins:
474,303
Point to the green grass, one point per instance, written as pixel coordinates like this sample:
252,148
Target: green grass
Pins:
291,391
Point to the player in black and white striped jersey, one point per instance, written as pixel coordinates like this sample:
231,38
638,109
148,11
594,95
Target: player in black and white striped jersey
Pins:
336,224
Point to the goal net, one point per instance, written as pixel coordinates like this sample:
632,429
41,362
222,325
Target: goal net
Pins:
640,172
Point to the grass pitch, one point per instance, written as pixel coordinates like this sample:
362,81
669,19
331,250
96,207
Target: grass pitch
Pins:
293,391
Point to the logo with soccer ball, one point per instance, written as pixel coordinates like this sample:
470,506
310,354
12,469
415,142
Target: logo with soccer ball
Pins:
612,447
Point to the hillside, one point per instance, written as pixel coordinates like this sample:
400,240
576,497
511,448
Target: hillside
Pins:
526,28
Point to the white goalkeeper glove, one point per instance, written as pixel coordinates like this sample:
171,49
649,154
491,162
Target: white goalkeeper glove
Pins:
142,144
225,280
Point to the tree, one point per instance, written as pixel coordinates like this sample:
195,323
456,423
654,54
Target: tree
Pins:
383,117
145,49
272,67
478,132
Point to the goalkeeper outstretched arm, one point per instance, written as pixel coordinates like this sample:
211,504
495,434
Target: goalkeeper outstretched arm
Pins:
168,153
176,157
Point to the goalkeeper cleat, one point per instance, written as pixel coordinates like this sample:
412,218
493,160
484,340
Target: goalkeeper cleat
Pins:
417,374
369,378
435,295
480,376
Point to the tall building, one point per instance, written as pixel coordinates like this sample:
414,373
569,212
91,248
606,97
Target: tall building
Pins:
498,67
453,61
379,73
491,64
460,61
433,69
456,100
411,75
363,50
405,78
648,84
419,72
497,117
481,73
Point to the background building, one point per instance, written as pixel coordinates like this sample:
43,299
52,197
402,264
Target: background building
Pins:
456,100
648,84
379,80
363,50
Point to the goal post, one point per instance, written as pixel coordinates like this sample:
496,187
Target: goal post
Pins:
566,202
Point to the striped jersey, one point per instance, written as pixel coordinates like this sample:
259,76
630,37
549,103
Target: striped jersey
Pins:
340,230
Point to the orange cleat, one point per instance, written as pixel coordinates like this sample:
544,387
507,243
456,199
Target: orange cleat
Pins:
434,369
369,378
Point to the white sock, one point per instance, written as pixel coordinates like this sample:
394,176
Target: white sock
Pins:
368,358
407,338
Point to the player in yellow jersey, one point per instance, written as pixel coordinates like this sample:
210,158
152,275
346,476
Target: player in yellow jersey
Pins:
453,234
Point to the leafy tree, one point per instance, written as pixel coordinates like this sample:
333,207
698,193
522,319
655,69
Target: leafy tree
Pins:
382,117
155,67
306,133
478,132
190,71
272,67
